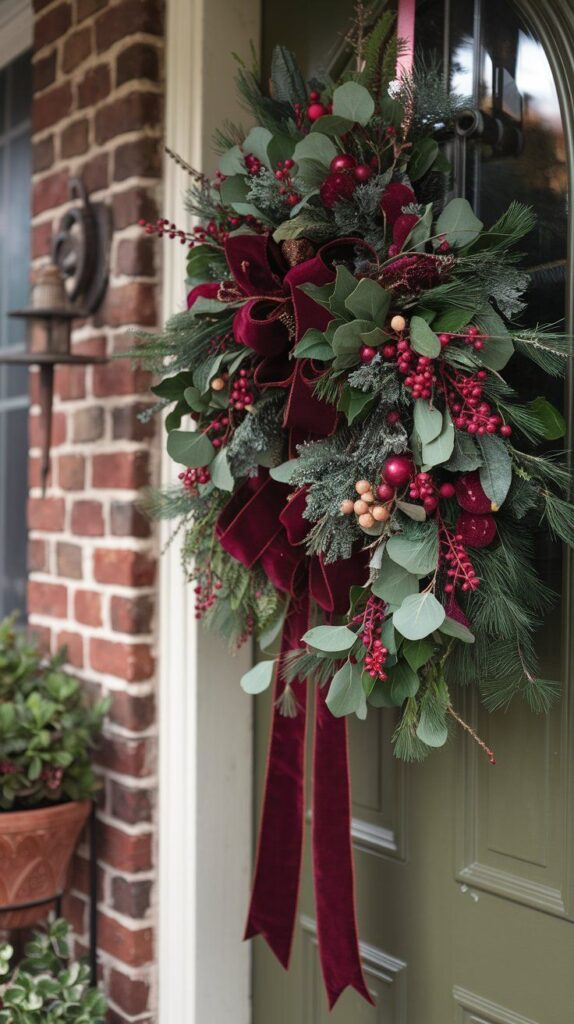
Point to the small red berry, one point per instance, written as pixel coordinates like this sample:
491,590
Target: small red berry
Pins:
342,162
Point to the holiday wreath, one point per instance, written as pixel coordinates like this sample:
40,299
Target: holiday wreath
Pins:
362,485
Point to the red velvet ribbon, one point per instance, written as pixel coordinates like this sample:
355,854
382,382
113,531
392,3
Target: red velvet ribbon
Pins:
260,525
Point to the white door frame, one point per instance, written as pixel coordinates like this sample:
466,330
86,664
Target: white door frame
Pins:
205,720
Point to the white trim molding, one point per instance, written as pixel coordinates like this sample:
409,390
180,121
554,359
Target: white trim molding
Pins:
16,29
205,720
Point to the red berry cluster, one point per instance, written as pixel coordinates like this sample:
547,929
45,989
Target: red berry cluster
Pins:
423,488
316,109
252,164
205,595
345,174
241,394
191,478
470,412
454,557
162,226
418,370
8,768
218,429
287,189
372,623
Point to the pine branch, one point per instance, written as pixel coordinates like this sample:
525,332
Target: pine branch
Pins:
559,517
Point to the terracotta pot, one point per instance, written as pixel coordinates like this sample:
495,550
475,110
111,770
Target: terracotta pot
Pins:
36,847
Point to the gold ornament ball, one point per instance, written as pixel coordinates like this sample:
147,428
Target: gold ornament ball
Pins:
366,520
346,507
360,507
217,384
362,486
380,513
398,323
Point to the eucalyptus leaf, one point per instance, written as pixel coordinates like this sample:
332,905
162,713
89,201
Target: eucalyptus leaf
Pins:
354,102
423,339
418,616
451,627
417,652
427,419
347,341
345,694
431,730
394,582
496,469
440,450
458,223
415,512
368,301
190,448
353,402
220,472
313,345
404,682
258,678
233,192
550,418
498,347
316,147
257,143
418,556
284,472
331,639
281,147
345,284
424,155
232,162
330,124
465,454
420,233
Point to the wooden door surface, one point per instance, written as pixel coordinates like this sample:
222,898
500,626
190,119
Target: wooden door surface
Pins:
464,872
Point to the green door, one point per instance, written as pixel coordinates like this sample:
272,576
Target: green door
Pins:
464,872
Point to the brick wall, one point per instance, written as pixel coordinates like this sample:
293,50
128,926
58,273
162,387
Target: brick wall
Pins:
97,113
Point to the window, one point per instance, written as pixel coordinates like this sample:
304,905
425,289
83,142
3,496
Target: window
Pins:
15,187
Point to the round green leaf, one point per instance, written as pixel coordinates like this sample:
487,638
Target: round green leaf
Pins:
330,638
428,421
220,472
551,419
329,124
496,469
346,691
457,629
418,616
418,556
368,301
190,448
258,678
423,340
284,472
440,450
394,582
431,731
404,682
354,102
257,143
315,147
458,223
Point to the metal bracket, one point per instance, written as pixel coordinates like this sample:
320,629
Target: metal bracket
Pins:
81,250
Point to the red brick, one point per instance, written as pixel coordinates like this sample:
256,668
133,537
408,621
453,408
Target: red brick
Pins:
47,599
94,173
77,47
137,61
58,430
75,910
130,994
49,191
131,898
43,154
88,518
42,239
127,568
88,424
133,303
132,15
130,946
127,113
131,615
34,473
125,757
132,205
127,520
69,560
121,470
133,662
70,382
136,257
75,138
130,805
51,106
44,71
52,26
80,876
89,7
127,423
133,713
42,636
88,607
39,5
92,346
74,645
95,86
46,514
37,555
72,472
120,378
140,158
124,852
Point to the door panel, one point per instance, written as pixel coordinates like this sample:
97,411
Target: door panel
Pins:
463,870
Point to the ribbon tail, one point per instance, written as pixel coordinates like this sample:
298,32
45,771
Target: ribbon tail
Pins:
333,857
275,890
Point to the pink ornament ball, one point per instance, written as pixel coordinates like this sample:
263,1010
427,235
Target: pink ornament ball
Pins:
342,162
447,490
367,353
477,531
362,172
470,495
397,470
385,492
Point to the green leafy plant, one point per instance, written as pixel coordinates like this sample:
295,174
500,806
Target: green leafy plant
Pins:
47,988
47,728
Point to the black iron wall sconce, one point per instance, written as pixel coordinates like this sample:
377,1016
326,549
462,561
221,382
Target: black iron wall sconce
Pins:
69,288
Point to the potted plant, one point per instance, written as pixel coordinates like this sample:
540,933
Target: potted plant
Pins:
47,729
46,987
